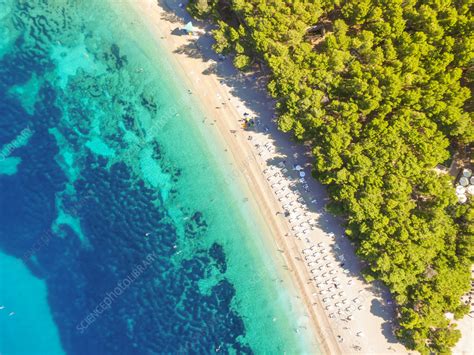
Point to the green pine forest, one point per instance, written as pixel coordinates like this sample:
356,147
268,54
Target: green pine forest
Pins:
381,92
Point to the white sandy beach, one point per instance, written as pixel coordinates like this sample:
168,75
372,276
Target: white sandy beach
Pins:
345,314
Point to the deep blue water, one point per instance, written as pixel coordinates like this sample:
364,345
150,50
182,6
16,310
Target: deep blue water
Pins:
122,229
121,219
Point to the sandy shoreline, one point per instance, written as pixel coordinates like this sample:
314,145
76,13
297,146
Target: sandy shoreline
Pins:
245,159
225,102
212,93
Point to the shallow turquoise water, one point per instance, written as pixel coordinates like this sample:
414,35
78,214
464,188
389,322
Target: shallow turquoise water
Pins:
23,301
118,167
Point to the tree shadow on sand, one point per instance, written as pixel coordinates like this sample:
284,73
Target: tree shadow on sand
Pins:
251,89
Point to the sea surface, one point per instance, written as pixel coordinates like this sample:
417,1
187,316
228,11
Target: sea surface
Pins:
123,227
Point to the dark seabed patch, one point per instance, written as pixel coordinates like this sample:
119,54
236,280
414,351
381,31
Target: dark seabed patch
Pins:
77,208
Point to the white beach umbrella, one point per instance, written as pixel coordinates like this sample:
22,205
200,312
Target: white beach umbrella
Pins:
460,190
189,27
470,189
472,180
462,198
467,173
302,174
464,181
351,307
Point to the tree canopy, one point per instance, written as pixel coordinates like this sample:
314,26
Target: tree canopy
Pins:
381,89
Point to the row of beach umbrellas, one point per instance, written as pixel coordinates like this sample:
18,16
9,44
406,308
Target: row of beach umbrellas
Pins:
465,186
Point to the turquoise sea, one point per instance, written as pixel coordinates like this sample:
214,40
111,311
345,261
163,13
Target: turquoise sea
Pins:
124,229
